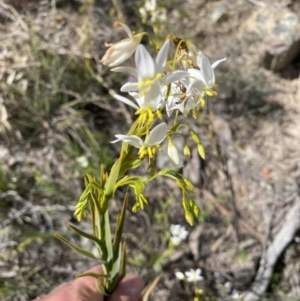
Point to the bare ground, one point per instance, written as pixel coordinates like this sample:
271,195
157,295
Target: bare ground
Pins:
246,187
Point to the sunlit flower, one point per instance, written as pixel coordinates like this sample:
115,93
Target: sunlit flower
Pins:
151,143
193,275
149,73
204,79
179,99
82,161
123,50
178,234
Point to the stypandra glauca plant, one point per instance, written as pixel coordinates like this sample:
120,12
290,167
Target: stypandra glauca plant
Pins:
163,89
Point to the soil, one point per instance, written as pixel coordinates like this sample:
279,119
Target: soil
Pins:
245,188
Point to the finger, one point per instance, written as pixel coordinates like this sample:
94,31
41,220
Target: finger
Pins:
128,289
81,289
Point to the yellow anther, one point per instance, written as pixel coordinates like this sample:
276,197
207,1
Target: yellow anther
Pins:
150,152
148,82
211,92
140,85
159,114
159,75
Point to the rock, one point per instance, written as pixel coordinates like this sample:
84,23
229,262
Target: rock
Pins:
279,31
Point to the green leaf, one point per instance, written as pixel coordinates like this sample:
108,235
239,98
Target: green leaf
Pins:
129,164
120,226
74,247
97,241
107,233
92,274
111,181
100,231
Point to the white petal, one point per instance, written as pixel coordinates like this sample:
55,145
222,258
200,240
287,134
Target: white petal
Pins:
157,135
138,98
124,69
125,27
125,100
175,229
144,63
198,84
179,275
128,87
132,140
153,95
173,77
207,71
121,51
216,63
173,153
195,74
162,56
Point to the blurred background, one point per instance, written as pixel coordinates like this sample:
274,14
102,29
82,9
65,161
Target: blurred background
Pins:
57,117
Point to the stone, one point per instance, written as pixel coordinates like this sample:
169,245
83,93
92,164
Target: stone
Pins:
278,28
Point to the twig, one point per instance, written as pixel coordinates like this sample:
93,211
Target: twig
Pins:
257,3
281,241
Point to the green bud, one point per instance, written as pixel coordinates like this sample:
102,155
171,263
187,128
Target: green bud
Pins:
187,153
195,137
189,218
196,210
201,151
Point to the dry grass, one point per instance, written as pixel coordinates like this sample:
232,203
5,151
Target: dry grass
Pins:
59,108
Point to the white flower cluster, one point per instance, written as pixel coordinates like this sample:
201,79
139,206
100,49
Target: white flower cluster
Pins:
179,85
190,276
178,234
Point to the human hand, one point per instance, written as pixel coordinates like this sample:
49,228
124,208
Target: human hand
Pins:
84,289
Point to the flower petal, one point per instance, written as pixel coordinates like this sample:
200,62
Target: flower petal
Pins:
207,71
126,101
132,140
216,63
157,135
153,96
124,69
198,84
144,63
128,87
173,77
162,56
173,153
179,275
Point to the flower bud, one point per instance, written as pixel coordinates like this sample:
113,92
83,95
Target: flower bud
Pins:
187,153
173,153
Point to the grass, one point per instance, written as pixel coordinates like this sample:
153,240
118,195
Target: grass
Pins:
62,116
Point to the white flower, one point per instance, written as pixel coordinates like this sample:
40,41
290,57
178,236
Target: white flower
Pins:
150,73
193,275
150,5
204,79
155,137
178,234
179,100
123,50
82,161
235,295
